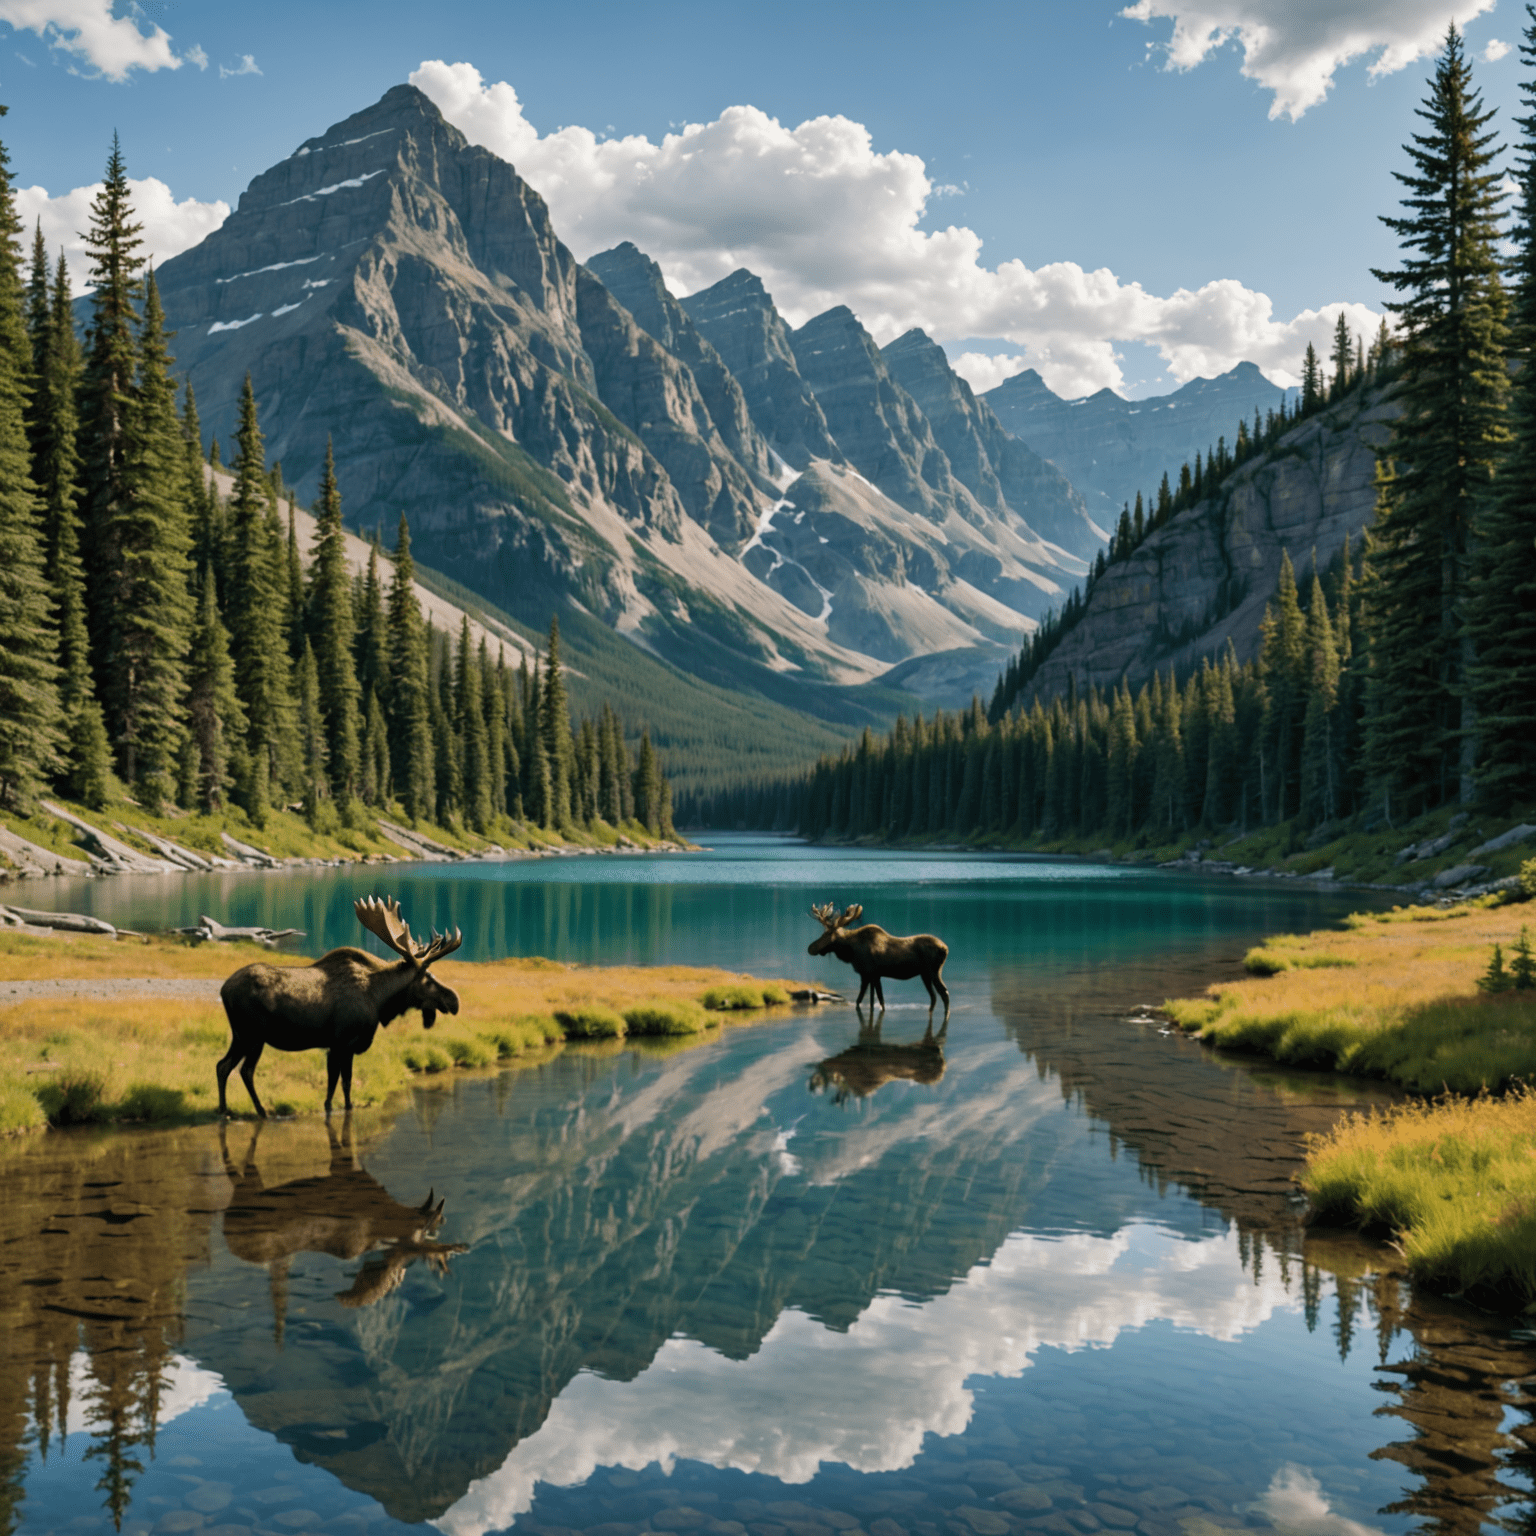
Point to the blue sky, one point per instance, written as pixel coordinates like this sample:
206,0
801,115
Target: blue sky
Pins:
1066,139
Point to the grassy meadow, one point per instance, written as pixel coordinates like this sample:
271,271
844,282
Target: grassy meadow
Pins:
78,1059
1395,995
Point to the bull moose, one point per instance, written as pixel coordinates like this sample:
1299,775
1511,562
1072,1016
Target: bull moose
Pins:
874,954
335,1005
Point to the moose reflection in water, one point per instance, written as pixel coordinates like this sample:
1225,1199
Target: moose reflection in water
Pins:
335,1005
874,954
871,1062
347,1214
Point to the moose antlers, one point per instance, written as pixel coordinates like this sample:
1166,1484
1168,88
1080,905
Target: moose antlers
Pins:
383,920
829,917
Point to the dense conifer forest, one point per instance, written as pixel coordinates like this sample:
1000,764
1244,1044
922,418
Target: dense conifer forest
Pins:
162,641
1400,681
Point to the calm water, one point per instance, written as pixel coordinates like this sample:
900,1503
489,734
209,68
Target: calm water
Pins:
787,1282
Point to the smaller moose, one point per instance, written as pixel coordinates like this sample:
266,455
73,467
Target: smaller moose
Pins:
335,1005
874,954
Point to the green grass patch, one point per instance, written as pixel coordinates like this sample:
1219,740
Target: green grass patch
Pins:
735,995
590,1021
1455,1181
665,1018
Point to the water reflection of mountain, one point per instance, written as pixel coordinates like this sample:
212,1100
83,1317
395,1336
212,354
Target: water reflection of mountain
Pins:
657,1252
601,1218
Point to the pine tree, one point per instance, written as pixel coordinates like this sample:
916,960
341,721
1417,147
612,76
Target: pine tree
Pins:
312,735
1123,751
1283,668
330,625
215,718
555,732
469,701
111,363
1342,358
56,470
1322,766
30,739
1311,381
148,627
374,775
256,610
1502,613
611,767
39,299
410,741
648,806
371,642
1452,430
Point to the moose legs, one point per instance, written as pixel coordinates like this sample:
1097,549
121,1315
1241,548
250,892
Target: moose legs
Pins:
244,1053
338,1065
871,984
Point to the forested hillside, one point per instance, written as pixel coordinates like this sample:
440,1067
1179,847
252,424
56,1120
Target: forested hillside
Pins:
1398,678
165,642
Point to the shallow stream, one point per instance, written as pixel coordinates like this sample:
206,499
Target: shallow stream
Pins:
1044,1275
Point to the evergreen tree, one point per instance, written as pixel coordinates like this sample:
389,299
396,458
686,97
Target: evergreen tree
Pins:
1343,358
371,641
648,806
56,470
1322,765
611,767
555,732
39,299
111,363
1283,670
1452,429
1311,382
470,704
30,739
148,627
374,776
215,719
410,742
1502,613
330,622
256,611
313,749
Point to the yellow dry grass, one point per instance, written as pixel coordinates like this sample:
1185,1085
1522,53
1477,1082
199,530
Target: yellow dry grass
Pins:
72,1059
1394,995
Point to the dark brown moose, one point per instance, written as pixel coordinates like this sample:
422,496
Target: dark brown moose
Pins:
871,1063
335,1005
874,954
347,1214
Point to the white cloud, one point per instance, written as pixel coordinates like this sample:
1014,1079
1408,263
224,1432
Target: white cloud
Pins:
1296,1503
197,55
1294,47
169,227
1495,50
246,66
824,218
811,1394
983,371
111,45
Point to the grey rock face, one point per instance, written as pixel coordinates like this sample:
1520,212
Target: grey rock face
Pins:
395,287
737,317
1205,577
656,397
1005,476
876,422
1110,448
636,282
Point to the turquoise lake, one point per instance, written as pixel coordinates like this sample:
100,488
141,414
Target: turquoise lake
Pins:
1046,1275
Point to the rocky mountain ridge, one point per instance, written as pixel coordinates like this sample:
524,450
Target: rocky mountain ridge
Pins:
1205,577
1110,447
569,434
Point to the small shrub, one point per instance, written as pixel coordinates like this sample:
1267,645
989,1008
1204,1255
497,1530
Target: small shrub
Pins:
74,1098
19,1109
774,996
426,1058
1496,978
736,995
1522,964
588,1021
663,1018
468,1053
1528,878
152,1101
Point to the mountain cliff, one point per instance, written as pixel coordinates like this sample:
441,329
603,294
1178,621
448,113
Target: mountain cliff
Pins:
569,434
1206,575
1110,448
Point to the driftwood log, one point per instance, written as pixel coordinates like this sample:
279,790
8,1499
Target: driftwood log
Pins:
208,931
68,922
